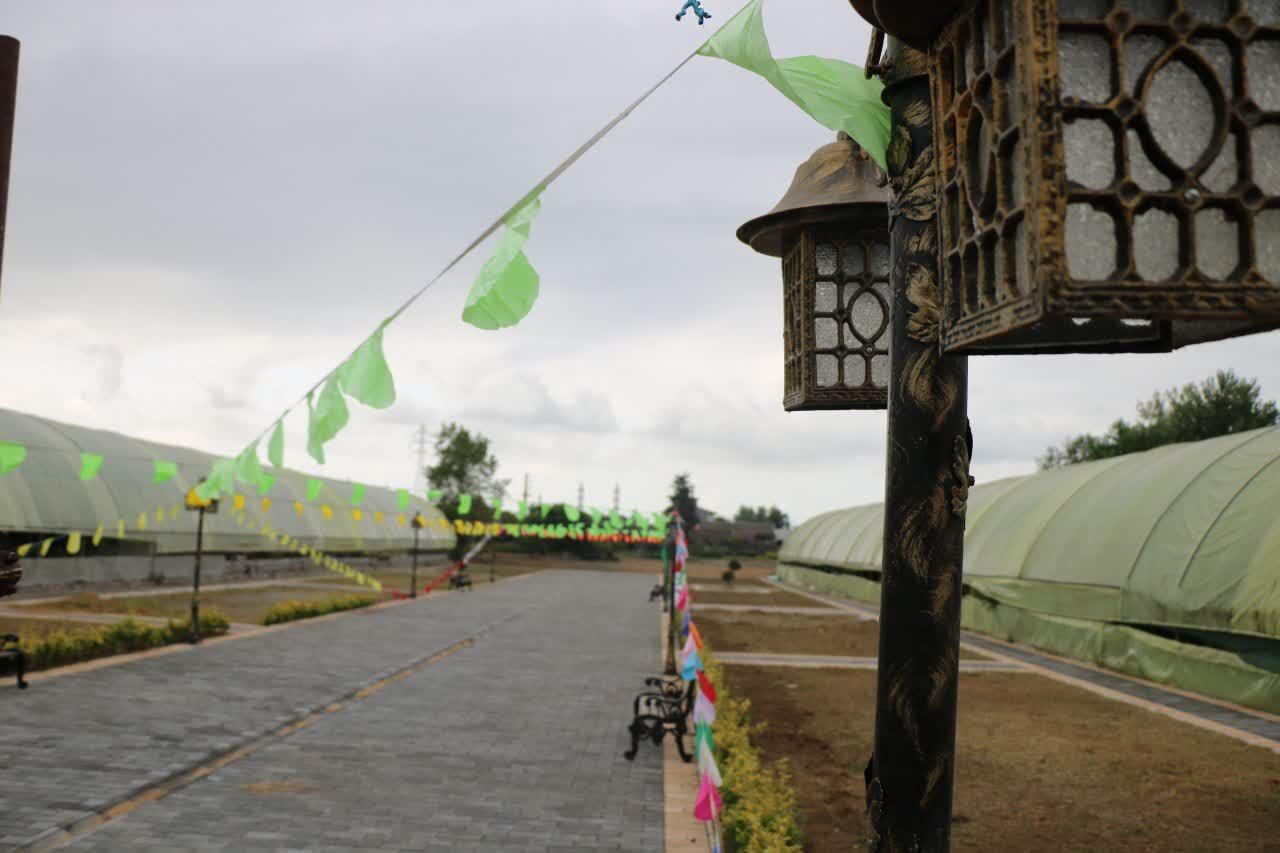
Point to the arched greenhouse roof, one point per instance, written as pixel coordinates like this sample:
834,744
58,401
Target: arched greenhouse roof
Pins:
45,495
1186,535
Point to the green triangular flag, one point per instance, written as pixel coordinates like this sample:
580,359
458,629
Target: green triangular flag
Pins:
12,455
434,495
507,285
164,471
313,489
275,447
327,418
357,494
497,507
267,484
366,377
90,465
571,513
402,499
834,93
524,510
248,467
221,479
464,504
703,734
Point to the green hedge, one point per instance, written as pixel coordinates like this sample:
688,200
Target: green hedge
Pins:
759,802
127,635
291,611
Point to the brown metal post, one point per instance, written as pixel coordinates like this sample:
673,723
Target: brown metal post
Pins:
413,578
909,782
195,579
8,103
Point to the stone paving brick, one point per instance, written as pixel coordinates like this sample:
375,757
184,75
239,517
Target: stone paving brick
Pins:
513,743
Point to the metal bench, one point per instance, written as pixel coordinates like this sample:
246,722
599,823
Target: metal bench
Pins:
10,573
657,592
662,711
13,661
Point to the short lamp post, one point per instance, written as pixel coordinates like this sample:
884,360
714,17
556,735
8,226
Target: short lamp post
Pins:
1066,176
200,506
417,525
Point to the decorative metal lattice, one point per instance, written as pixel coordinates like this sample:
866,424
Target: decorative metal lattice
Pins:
1107,165
836,323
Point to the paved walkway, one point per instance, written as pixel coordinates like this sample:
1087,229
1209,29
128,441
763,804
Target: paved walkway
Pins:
1255,727
493,720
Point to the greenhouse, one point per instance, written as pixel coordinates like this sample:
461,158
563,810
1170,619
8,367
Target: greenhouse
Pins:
46,496
1163,564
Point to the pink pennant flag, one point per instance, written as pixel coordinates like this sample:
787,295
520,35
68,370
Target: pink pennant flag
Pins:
689,647
703,710
709,804
682,600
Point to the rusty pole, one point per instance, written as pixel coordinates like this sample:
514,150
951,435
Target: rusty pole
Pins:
8,101
909,780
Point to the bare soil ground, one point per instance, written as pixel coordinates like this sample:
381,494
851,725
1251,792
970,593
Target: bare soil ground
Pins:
238,605
1040,765
727,595
790,634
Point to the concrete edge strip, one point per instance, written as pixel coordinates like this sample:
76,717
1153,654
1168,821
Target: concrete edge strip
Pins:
1116,695
230,636
60,837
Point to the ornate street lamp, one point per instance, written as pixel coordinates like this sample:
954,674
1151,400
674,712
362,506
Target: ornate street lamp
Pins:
831,230
1107,177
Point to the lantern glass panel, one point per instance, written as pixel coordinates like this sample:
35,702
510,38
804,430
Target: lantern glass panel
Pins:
1109,161
837,298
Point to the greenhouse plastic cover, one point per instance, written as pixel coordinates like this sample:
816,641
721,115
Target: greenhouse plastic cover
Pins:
1184,536
46,496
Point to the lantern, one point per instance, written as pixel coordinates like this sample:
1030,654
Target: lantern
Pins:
831,230
912,22
1108,173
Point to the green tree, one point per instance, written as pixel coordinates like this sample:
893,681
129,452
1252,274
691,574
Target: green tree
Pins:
683,501
465,466
772,515
1223,404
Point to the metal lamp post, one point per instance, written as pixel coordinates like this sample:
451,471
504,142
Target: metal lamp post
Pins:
413,577
199,505
9,49
1066,177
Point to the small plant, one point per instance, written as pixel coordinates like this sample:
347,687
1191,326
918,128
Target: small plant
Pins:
734,565
128,635
727,576
291,611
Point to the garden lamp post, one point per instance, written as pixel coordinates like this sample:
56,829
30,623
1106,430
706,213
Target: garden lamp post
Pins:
413,576
195,503
1066,177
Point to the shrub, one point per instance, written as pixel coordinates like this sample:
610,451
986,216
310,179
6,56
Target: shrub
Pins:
727,576
291,611
734,565
128,635
759,802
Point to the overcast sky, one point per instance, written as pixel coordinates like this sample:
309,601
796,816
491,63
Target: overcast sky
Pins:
212,203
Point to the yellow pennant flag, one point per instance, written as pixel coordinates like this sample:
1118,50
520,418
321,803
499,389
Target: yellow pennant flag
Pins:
73,542
97,535
400,519
160,515
120,529
326,512
238,502
266,504
297,507
142,521
45,546
357,515
377,518
24,550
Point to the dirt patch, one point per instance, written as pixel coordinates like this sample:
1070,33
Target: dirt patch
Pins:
247,605
726,595
791,634
1039,764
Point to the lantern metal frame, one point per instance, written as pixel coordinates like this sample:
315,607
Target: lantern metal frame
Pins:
831,231
1005,198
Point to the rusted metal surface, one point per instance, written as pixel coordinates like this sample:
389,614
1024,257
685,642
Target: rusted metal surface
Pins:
1136,138
909,782
8,103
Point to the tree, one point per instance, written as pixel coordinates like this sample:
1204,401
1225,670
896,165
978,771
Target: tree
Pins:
772,515
683,501
1221,405
464,466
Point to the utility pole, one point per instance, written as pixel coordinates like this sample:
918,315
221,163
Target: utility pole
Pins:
413,578
420,441
525,496
579,497
617,497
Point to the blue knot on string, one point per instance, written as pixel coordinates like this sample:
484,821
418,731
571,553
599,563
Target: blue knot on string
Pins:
696,6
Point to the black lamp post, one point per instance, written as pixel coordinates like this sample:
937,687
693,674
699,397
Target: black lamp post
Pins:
9,49
194,503
413,577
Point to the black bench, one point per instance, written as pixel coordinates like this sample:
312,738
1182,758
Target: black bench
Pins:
459,581
657,591
664,710
13,661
